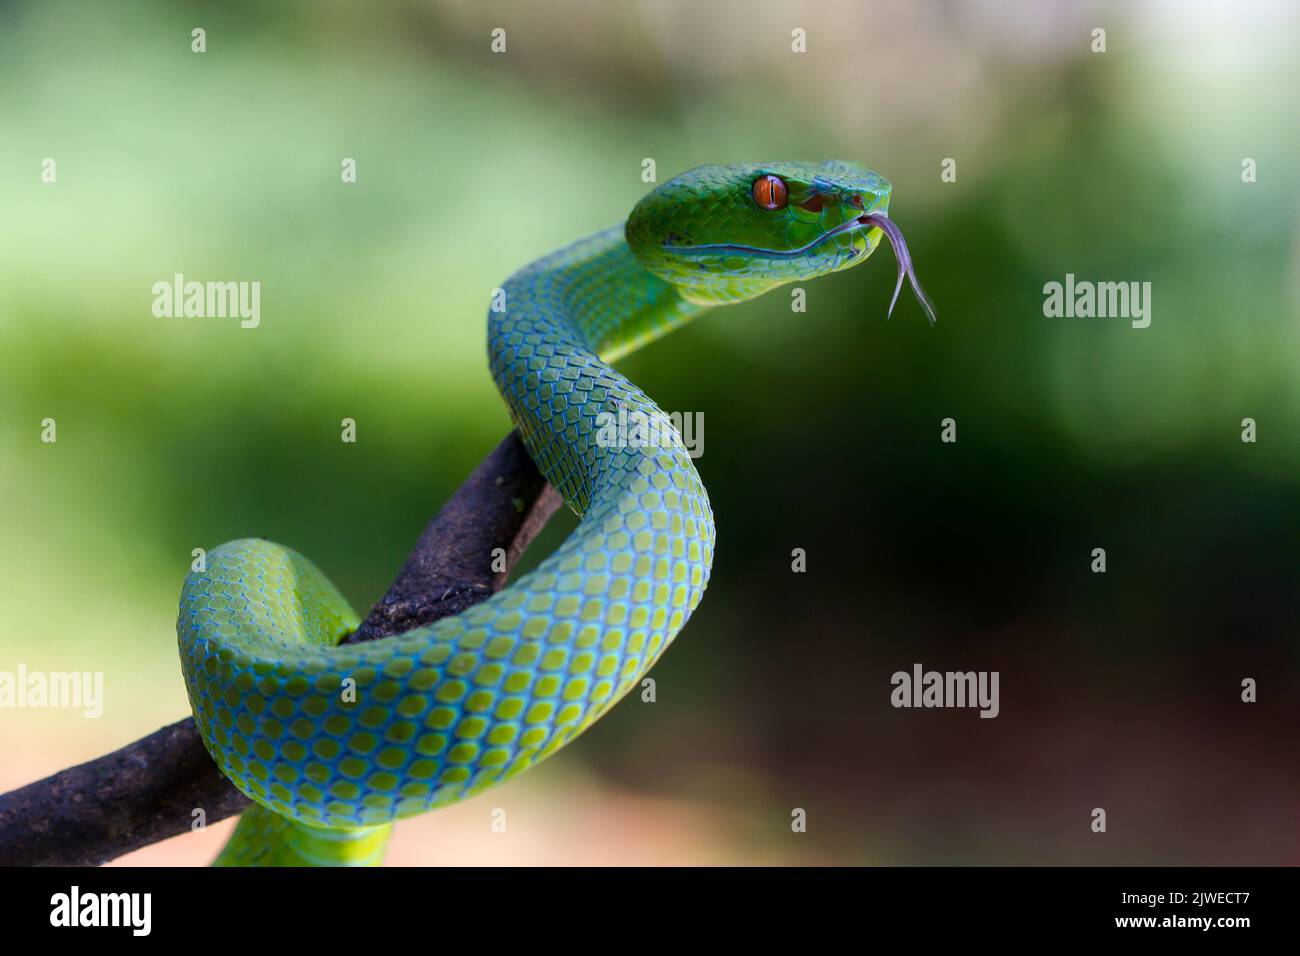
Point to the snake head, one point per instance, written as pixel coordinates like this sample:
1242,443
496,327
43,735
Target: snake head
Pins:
724,234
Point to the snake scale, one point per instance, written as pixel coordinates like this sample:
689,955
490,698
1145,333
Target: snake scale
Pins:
334,742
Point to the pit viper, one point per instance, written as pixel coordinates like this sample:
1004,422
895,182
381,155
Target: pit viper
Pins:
334,742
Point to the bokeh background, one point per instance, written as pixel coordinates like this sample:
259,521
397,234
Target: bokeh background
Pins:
821,429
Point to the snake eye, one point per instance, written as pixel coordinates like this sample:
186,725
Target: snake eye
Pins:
770,192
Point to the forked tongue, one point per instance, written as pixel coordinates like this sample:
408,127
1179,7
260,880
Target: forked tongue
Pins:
887,226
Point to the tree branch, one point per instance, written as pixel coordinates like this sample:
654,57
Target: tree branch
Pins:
148,790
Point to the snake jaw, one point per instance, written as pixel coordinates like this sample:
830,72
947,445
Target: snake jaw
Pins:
886,225
712,248
875,219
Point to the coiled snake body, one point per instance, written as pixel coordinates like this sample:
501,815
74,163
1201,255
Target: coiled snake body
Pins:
334,742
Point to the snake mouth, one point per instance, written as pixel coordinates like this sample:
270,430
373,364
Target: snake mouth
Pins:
869,220
853,225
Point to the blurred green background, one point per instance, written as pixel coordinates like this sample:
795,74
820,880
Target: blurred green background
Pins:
822,429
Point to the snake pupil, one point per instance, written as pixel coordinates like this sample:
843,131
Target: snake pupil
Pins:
770,192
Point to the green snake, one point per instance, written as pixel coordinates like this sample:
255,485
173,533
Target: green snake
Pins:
333,742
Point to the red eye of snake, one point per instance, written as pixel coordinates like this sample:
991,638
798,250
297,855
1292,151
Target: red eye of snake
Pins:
770,192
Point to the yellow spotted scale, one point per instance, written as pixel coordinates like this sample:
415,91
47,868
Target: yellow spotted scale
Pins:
334,742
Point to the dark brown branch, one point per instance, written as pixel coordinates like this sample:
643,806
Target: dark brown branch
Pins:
148,790
502,504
